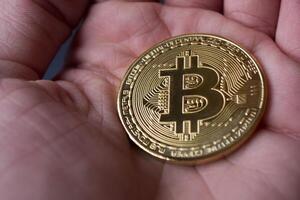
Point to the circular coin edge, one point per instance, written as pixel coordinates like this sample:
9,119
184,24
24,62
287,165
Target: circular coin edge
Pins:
218,154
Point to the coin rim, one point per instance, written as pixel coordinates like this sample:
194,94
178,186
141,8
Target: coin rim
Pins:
218,154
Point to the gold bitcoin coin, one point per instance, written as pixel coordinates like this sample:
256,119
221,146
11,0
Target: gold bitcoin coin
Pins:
192,98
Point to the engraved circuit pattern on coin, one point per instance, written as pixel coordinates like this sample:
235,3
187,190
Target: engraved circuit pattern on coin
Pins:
192,98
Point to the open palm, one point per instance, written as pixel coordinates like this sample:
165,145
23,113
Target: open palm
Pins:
62,139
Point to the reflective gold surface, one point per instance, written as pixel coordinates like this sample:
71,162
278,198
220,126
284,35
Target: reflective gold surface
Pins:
192,98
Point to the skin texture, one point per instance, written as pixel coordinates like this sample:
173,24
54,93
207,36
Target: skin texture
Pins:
63,140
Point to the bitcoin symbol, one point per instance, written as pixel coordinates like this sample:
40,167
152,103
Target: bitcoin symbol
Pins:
192,96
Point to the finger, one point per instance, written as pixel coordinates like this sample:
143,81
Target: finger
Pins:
257,14
288,31
216,5
32,31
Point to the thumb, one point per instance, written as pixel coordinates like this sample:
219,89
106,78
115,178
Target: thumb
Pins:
31,31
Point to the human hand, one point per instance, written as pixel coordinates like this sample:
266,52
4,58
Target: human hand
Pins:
62,139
